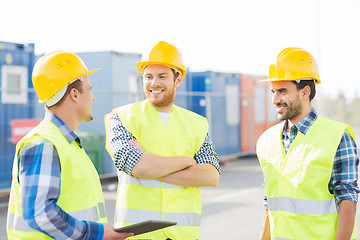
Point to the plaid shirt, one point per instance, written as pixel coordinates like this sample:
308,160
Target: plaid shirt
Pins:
125,156
39,177
343,181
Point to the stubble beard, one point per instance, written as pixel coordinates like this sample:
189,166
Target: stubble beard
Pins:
169,98
91,117
293,110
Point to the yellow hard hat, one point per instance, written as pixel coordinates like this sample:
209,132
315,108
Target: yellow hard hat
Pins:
54,71
163,53
294,64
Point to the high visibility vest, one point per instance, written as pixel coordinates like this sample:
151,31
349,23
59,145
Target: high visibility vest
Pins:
144,199
80,194
299,203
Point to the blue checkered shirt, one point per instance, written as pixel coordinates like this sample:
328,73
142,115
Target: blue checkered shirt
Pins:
343,181
39,177
125,156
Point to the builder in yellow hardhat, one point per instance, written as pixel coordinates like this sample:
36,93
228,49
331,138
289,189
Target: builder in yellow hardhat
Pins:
162,152
310,163
56,192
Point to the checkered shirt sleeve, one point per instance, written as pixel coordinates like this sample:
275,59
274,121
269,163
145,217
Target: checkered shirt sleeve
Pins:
207,154
343,182
125,156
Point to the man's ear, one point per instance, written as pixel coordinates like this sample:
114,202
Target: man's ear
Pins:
73,94
178,81
306,91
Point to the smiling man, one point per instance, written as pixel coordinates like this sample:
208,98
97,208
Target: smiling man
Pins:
310,163
162,152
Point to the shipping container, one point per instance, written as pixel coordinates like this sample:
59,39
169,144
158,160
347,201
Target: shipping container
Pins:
257,111
17,99
216,96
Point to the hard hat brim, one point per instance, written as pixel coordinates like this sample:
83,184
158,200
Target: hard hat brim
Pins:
267,80
90,72
140,66
317,81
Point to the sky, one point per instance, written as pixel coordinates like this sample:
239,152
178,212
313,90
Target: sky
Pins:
241,36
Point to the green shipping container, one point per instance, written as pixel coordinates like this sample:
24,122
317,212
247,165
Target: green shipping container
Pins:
93,144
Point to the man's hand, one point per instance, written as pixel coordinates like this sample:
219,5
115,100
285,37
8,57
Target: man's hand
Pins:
346,220
265,233
136,145
198,175
151,166
110,234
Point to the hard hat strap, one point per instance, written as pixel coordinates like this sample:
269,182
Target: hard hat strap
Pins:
58,95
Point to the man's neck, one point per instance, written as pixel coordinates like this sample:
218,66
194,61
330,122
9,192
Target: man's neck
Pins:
298,118
66,117
166,109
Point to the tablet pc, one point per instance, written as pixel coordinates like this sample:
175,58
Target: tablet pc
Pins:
145,226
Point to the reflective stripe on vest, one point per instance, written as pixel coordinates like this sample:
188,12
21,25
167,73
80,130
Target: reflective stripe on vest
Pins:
150,182
182,219
90,214
102,211
19,223
304,206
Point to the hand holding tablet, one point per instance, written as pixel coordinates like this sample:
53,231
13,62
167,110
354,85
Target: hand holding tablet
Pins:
145,226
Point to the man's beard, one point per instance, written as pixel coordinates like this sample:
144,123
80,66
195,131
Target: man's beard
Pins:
293,110
169,98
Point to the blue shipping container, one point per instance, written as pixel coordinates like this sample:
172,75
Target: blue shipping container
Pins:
17,99
220,104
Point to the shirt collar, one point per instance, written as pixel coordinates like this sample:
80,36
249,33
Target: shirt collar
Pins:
65,130
304,124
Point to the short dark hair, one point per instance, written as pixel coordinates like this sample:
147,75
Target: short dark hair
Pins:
176,73
303,83
77,84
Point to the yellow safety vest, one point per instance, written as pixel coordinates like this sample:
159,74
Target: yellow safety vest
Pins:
143,199
300,205
80,194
